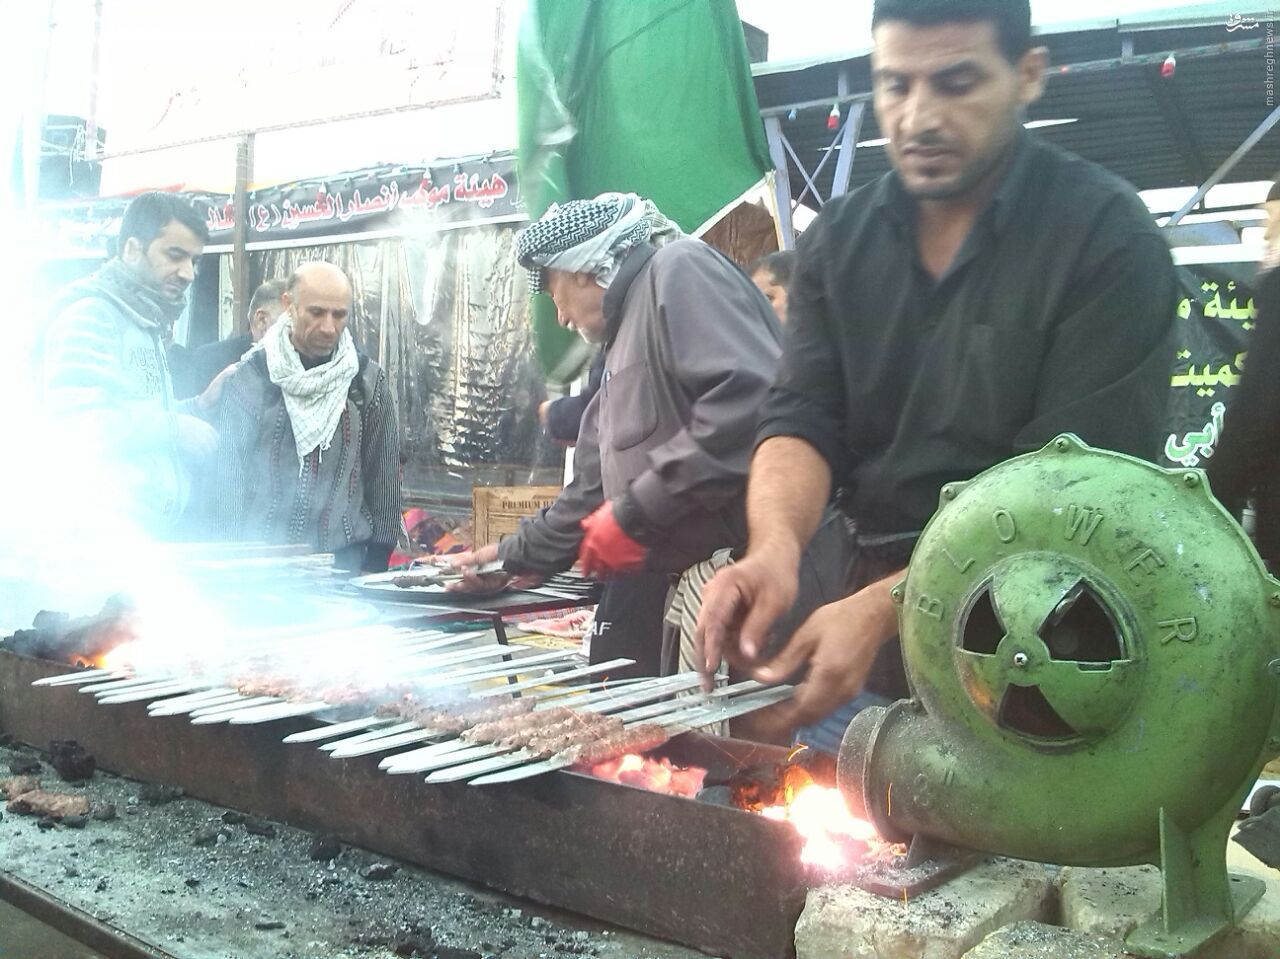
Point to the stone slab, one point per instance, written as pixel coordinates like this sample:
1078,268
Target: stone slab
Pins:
1112,902
1108,902
1035,940
844,922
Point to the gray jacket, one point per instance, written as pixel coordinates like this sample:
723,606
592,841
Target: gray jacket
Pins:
347,496
106,386
691,352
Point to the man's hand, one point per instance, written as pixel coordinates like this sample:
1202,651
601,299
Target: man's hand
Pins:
543,415
739,606
196,439
213,392
473,582
485,584
838,643
606,549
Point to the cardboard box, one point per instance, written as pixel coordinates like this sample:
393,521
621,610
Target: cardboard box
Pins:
497,510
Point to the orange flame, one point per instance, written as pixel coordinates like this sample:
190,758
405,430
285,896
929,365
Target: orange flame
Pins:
821,817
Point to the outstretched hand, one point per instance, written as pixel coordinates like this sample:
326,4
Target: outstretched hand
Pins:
838,644
739,607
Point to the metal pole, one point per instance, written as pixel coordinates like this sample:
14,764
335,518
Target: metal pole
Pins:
781,183
1250,142
848,147
91,127
240,234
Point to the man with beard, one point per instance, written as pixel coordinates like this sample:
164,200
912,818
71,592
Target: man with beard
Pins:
106,381
988,293
690,348
310,448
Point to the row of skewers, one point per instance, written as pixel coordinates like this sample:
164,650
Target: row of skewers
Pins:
533,722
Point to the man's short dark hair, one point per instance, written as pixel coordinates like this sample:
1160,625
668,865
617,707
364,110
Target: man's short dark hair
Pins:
780,266
266,294
1012,18
149,213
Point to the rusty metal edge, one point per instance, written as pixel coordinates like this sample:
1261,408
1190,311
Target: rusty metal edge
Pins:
74,922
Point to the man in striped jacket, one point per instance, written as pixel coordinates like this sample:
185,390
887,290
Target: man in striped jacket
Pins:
106,384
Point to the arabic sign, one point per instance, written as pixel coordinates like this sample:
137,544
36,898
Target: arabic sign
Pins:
475,191
1215,317
450,194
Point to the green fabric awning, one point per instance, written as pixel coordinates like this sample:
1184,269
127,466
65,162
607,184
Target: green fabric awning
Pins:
646,96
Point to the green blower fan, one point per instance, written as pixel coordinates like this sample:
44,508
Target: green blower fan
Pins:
1094,650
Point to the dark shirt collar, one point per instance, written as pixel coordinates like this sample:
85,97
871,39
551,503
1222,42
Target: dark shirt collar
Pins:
616,296
901,206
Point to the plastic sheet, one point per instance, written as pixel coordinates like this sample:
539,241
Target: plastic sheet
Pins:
446,315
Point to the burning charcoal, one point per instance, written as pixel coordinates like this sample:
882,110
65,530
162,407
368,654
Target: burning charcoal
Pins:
101,886
71,872
325,849
12,788
191,882
105,813
266,925
379,871
38,802
157,794
45,823
716,795
25,766
73,762
259,827
75,822
233,818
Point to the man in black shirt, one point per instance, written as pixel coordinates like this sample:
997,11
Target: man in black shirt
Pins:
988,293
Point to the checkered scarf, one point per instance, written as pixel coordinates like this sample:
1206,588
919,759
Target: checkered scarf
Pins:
314,398
591,236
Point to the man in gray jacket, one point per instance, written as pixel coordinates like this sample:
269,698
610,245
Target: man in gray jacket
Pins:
691,349
106,384
310,448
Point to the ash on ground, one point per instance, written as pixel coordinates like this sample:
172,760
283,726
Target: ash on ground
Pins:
202,882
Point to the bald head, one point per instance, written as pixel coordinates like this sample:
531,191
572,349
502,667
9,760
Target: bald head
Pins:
318,300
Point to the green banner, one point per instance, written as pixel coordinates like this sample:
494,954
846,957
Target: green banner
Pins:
645,96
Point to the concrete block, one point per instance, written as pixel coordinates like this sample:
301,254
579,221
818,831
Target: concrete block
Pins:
844,922
1035,940
1108,902
1112,902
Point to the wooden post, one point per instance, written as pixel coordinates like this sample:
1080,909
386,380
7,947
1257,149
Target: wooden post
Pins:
240,233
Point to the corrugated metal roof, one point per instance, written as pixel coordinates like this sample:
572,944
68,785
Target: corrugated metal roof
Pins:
1151,130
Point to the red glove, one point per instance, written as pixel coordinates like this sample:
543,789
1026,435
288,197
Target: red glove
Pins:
606,550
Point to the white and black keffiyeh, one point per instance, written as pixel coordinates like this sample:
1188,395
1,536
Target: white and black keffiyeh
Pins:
590,236
314,398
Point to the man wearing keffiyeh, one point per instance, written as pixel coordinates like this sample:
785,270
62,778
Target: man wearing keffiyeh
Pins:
690,351
310,444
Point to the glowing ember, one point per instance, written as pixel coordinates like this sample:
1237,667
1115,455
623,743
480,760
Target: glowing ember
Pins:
819,814
656,775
